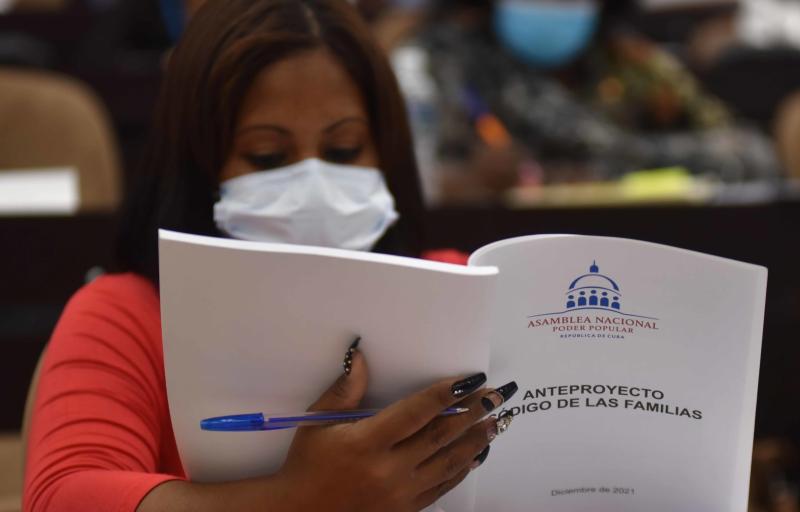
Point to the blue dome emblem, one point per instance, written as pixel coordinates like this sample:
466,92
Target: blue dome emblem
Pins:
594,290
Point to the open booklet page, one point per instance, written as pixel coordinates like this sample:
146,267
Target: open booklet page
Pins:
251,327
637,366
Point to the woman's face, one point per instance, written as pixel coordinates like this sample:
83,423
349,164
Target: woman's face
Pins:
305,106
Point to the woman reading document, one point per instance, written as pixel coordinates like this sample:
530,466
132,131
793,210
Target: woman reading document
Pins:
279,120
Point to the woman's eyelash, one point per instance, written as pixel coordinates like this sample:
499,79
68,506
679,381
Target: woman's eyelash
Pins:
266,161
342,154
272,160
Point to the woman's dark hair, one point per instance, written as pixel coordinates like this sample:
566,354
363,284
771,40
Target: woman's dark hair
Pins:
227,44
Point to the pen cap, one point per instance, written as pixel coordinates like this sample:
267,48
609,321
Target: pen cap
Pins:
233,423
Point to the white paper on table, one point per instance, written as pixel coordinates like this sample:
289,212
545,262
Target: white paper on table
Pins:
39,191
254,327
704,356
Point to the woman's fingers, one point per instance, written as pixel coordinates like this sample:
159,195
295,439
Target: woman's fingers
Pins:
405,417
442,431
459,455
348,390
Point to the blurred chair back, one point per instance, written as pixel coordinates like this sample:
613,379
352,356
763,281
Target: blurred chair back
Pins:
13,452
48,120
29,403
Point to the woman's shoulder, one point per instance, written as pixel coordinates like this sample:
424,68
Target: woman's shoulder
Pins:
125,289
115,303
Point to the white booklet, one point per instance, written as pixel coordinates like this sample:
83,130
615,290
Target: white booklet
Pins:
637,363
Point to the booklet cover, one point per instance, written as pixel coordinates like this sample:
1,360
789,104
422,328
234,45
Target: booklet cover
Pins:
638,368
637,363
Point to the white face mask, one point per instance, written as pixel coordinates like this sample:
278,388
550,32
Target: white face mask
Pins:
312,202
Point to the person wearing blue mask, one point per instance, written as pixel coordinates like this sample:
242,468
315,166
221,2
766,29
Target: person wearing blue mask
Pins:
546,34
559,91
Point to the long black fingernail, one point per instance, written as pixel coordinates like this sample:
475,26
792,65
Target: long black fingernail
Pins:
508,390
481,457
497,397
468,385
348,356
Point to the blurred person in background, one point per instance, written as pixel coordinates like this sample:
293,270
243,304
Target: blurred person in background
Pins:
771,484
760,24
135,34
537,91
756,46
21,49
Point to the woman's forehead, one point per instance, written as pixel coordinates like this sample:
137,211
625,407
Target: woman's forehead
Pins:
311,87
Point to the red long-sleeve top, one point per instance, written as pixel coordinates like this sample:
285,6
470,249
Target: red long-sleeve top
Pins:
101,436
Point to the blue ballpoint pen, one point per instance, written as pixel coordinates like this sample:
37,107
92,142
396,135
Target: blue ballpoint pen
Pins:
258,421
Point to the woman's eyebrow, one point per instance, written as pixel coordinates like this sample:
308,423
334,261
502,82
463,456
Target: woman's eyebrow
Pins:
340,122
272,127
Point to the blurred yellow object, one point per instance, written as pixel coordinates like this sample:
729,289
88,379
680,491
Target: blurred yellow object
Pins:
669,183
672,185
565,196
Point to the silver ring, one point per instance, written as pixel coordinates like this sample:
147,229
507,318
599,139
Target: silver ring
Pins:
503,422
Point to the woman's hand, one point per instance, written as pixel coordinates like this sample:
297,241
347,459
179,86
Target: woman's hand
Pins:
400,460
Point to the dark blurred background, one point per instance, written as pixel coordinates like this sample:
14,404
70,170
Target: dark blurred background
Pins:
672,121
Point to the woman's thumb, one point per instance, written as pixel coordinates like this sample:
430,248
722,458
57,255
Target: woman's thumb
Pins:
348,390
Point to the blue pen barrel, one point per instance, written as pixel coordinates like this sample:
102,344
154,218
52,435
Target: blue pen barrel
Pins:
258,421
